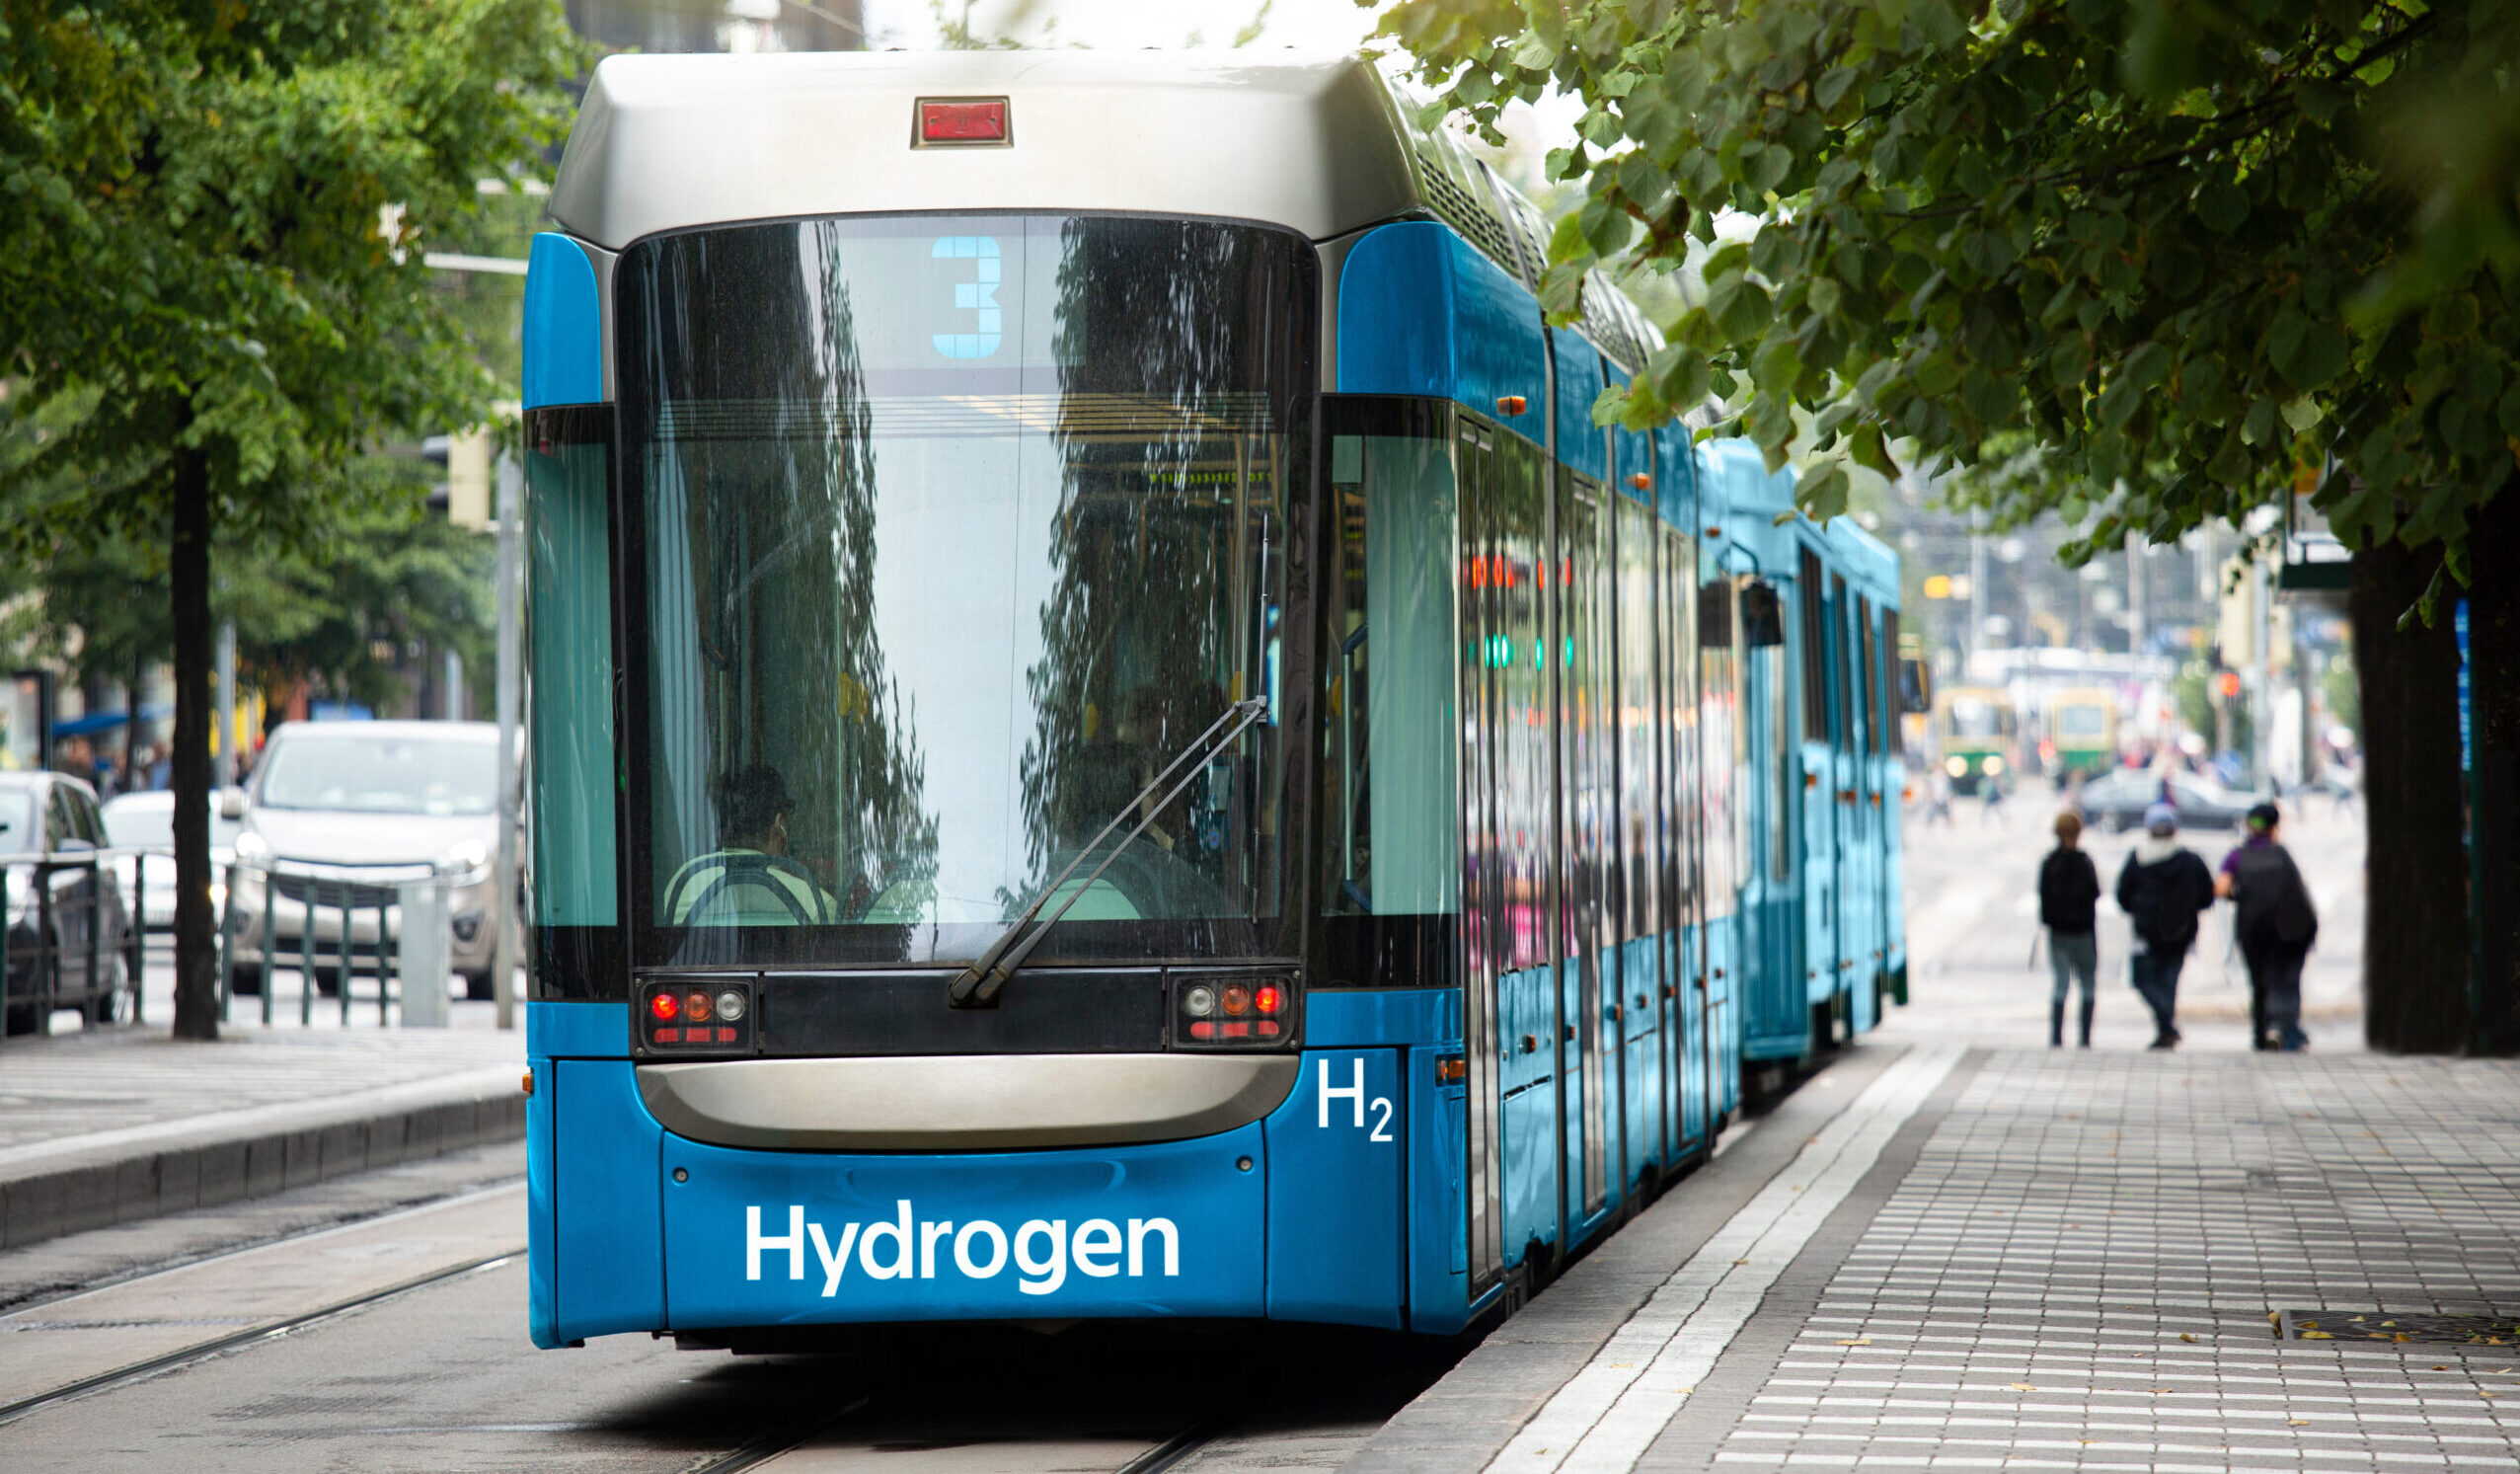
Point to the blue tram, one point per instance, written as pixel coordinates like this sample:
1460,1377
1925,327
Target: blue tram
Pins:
1107,737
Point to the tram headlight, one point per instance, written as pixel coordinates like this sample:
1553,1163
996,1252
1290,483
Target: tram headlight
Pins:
1994,764
1957,767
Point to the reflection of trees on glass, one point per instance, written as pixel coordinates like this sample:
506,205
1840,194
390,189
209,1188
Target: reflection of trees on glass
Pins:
1161,551
772,477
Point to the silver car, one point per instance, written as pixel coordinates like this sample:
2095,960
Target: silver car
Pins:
343,813
143,824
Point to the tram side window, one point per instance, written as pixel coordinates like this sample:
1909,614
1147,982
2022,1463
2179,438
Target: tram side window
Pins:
1841,676
1763,635
572,870
1721,749
1815,652
1391,741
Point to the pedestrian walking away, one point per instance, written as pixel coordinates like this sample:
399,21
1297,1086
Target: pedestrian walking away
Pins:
1993,810
2069,893
2162,888
1938,798
2275,924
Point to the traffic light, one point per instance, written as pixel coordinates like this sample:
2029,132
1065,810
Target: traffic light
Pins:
2228,685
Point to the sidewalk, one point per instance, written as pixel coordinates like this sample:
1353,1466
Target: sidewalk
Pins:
118,1125
2032,1259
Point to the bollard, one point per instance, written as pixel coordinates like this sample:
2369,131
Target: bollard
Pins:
137,938
48,968
269,943
384,990
306,956
227,950
96,933
342,950
424,955
389,961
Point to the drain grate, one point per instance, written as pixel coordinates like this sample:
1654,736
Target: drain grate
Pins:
2395,1328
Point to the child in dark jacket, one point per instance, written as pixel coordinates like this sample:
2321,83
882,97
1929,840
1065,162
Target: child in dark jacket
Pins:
2069,893
2163,890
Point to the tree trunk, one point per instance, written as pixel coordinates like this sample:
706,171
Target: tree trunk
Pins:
196,982
2493,684
2414,949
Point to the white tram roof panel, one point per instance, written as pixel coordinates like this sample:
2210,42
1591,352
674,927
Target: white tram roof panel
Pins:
1310,140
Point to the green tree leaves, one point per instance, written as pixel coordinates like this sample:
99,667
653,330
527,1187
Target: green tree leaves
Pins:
2185,244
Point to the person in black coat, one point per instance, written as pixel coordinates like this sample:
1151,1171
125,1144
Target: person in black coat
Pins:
2275,924
2162,888
2069,893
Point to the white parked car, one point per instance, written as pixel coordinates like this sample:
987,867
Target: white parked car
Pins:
347,811
146,821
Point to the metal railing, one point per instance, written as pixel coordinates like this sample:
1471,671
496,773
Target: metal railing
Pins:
36,984
312,894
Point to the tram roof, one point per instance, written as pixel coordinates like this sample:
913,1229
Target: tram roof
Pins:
1314,141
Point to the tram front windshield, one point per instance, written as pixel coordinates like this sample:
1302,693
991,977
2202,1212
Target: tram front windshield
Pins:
952,534
1973,718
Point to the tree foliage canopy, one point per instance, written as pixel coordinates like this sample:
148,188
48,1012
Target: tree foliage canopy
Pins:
2184,246
212,218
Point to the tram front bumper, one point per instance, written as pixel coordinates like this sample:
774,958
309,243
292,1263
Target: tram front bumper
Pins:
1304,1215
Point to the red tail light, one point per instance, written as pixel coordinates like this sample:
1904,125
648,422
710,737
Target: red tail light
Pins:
1232,1009
717,1016
961,122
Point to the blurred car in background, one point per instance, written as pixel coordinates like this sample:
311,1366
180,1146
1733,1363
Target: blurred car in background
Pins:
50,839
2116,801
146,821
344,813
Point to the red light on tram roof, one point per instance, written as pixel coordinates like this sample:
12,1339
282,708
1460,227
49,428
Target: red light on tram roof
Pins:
1510,405
962,121
664,1005
1641,480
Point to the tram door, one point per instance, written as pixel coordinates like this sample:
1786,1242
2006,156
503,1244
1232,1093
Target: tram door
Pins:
1870,810
1585,801
1635,715
1823,815
1688,1018
1509,929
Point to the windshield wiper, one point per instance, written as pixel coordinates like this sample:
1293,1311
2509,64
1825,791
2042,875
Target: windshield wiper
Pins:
978,986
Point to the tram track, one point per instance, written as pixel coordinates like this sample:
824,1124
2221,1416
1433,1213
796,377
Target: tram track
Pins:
250,1336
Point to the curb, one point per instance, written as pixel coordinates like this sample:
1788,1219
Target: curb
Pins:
99,1189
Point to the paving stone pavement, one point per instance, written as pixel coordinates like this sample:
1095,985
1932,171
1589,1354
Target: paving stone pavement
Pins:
74,1086
2069,1262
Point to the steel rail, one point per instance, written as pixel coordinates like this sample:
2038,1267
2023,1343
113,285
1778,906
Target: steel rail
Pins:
250,1336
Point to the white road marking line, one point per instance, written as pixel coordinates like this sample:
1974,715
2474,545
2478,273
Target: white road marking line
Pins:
1604,1417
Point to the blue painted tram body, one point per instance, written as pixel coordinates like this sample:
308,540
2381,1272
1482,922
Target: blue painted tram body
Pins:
903,495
